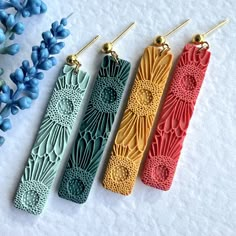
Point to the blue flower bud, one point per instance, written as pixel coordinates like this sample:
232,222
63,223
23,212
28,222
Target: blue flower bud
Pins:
53,60
3,15
46,65
4,98
43,54
32,71
14,110
12,49
24,102
18,28
26,79
34,82
39,75
43,7
34,89
34,57
10,21
20,86
60,28
55,25
61,44
42,45
46,35
26,64
6,125
63,34
34,7
25,13
55,49
63,21
52,40
35,48
5,88
34,96
19,75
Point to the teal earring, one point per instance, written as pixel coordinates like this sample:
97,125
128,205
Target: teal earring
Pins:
53,136
96,126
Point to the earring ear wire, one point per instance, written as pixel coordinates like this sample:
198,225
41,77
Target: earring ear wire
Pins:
72,59
107,47
161,40
200,38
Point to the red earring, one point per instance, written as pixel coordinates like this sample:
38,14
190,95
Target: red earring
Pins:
160,164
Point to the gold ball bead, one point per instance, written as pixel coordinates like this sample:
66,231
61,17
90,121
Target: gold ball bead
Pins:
107,47
198,38
159,40
72,60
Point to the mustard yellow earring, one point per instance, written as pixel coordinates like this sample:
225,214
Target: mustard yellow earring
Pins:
139,115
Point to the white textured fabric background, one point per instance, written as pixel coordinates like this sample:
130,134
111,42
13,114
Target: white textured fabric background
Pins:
202,200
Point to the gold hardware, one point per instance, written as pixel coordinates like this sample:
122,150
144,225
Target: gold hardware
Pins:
161,40
107,47
72,59
200,38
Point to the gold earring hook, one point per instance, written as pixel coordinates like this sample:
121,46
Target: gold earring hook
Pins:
177,28
200,38
107,47
72,59
161,40
87,45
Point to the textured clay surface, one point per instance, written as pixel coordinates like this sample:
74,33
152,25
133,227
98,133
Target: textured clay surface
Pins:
136,124
94,131
175,115
51,141
201,201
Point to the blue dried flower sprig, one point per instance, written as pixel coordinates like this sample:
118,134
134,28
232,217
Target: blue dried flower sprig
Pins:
27,77
10,25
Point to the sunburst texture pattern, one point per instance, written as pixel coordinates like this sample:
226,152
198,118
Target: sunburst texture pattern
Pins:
95,129
137,121
51,140
161,162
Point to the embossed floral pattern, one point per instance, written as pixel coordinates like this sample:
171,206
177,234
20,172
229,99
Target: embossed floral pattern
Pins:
175,117
138,118
51,140
94,130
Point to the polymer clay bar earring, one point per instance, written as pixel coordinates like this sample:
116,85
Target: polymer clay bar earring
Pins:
161,162
53,136
138,119
96,126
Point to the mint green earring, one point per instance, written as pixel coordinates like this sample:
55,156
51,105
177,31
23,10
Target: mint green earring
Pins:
53,136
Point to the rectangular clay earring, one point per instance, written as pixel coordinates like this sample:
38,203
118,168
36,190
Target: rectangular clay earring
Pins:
52,137
134,131
161,162
96,126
